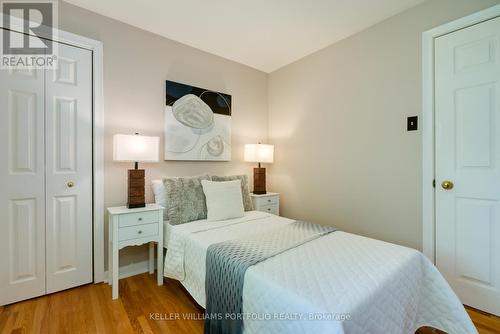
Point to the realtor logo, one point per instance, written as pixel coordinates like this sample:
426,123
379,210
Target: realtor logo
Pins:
28,33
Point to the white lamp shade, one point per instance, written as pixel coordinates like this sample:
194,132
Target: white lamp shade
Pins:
135,148
259,153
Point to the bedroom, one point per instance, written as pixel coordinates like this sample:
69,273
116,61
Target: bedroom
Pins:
330,86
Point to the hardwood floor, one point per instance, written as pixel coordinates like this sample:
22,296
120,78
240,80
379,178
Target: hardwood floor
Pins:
485,323
90,309
143,307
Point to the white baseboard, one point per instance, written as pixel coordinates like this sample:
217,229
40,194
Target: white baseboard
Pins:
131,270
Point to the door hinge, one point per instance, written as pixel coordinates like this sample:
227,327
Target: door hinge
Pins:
434,183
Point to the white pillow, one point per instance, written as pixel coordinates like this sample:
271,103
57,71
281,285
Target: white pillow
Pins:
224,200
160,195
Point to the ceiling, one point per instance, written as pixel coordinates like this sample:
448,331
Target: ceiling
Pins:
263,34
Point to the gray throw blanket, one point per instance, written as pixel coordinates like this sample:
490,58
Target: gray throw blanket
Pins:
228,261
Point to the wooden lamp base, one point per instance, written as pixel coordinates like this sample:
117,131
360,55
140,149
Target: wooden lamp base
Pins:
136,188
259,181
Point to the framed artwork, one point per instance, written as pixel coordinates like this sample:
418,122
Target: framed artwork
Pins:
197,123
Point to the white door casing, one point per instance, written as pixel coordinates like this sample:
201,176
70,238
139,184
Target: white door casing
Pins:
22,174
69,169
467,152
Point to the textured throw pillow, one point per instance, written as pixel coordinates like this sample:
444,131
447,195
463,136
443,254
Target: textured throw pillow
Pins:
160,195
224,199
245,192
185,199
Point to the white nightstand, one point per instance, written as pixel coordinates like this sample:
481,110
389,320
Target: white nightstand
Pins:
133,227
269,202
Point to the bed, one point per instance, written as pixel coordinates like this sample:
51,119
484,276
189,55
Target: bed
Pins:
338,283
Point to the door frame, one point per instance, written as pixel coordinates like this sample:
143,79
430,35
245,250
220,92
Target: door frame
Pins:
96,47
428,114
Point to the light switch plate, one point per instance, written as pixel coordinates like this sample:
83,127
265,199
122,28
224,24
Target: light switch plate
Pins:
412,123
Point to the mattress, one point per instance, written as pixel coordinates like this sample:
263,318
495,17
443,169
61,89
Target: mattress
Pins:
339,283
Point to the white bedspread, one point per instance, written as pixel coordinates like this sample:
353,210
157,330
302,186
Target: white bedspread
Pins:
339,283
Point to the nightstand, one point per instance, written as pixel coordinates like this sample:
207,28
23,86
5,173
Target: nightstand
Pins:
269,202
133,227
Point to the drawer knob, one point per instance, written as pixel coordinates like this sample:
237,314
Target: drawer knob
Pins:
140,219
268,209
269,200
140,232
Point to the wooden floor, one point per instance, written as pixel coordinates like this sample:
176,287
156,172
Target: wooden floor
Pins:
143,307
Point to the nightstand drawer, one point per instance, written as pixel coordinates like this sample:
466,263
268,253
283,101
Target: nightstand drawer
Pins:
138,218
266,200
273,208
138,231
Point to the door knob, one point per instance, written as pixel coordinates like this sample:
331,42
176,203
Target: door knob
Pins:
447,185
70,184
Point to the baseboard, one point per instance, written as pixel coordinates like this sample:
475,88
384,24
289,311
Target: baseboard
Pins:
131,270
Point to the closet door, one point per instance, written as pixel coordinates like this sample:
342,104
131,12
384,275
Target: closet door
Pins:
22,196
69,170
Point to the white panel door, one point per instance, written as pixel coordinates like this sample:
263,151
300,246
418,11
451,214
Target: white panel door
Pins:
69,170
22,174
467,77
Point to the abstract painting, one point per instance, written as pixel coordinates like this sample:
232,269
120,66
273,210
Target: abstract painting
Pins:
197,124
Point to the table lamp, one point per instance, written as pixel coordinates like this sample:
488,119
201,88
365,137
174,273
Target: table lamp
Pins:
260,153
135,148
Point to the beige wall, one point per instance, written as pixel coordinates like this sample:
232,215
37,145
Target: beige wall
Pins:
338,120
337,117
136,65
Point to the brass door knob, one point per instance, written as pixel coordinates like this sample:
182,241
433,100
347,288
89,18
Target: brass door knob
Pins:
70,184
447,185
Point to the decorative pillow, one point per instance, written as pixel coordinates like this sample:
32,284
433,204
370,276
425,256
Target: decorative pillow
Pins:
224,200
185,199
160,195
247,200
